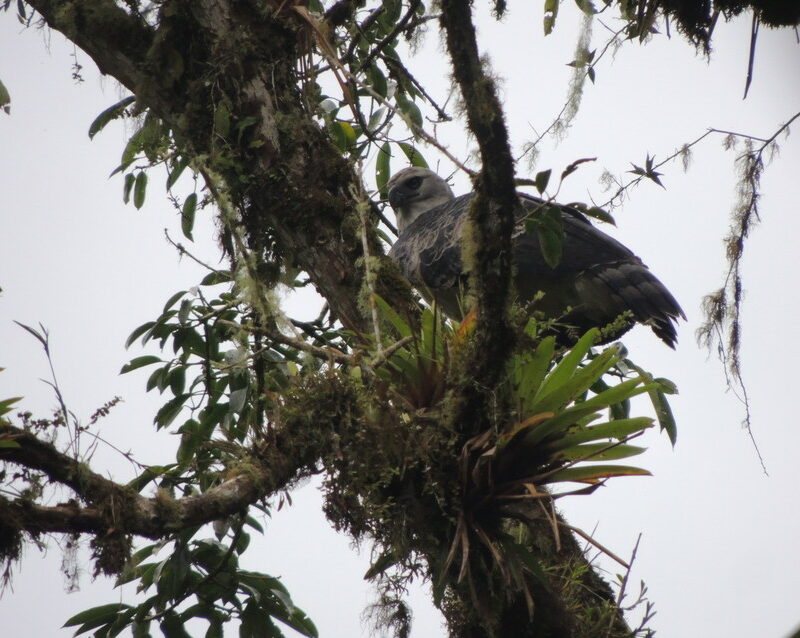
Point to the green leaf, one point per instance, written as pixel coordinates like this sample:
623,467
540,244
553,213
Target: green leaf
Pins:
217,277
141,629
139,362
127,187
391,15
376,118
184,311
531,371
550,13
170,410
382,169
252,522
600,452
96,616
570,388
139,189
391,315
237,400
413,155
343,134
5,404
171,301
594,473
177,169
138,333
111,113
566,367
222,120
242,543
172,626
381,564
542,179
301,623
189,340
551,245
616,429
156,378
601,214
413,115
187,215
578,412
137,141
5,98
659,400
189,441
148,475
177,380
378,81
551,233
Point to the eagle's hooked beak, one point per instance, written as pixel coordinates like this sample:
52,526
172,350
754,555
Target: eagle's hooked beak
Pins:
397,198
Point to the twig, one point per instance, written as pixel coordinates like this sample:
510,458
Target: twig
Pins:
183,251
765,142
532,145
379,359
624,582
593,541
400,26
396,65
326,354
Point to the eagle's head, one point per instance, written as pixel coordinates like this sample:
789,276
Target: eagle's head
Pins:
414,191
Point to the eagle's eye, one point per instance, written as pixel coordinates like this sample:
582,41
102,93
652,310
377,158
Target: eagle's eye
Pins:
414,182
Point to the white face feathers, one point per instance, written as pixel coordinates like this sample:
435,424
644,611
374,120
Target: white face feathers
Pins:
413,191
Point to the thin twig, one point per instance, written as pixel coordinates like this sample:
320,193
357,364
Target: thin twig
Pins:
379,359
326,354
593,541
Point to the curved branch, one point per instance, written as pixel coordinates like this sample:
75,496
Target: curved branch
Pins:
117,41
115,506
32,453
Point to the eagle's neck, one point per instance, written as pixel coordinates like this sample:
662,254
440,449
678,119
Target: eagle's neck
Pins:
408,213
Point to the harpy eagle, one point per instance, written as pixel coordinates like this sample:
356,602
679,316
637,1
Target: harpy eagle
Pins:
595,282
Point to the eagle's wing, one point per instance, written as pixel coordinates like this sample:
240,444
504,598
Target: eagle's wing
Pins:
597,278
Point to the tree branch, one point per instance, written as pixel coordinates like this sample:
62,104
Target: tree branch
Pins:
117,41
491,214
269,469
294,201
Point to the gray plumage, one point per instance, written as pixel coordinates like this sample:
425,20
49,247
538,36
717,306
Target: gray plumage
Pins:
597,279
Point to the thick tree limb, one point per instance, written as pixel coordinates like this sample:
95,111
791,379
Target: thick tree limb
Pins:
492,212
295,200
118,507
117,41
492,217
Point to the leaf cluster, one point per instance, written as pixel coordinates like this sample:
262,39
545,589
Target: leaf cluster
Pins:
205,571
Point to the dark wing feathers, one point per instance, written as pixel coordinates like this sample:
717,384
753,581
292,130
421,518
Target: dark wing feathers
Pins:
597,278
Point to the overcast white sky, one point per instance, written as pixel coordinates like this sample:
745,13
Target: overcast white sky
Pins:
719,546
